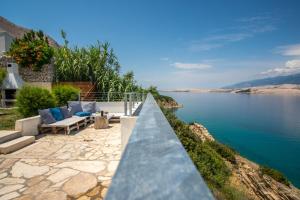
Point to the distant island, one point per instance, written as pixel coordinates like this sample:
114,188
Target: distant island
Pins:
286,85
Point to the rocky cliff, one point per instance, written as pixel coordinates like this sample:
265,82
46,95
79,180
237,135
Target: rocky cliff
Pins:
247,176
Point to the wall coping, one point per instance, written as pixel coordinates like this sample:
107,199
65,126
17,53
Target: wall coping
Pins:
154,164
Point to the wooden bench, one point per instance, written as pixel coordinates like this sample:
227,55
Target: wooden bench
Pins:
67,125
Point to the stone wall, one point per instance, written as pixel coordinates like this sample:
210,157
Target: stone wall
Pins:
46,75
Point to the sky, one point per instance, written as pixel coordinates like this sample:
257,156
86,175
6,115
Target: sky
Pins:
177,44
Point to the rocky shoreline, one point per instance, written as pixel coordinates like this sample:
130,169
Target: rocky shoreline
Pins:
247,176
170,104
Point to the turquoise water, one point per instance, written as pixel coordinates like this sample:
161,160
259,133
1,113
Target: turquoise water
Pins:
263,128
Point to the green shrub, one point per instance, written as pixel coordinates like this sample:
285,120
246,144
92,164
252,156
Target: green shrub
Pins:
32,50
30,99
276,175
229,192
2,75
209,163
65,93
224,151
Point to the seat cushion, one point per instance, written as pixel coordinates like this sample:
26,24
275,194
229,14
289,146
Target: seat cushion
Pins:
65,112
83,114
75,107
88,107
58,116
46,116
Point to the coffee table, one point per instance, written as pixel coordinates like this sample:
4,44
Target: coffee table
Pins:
100,121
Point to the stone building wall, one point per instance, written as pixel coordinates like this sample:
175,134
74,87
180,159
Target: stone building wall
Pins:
45,75
43,78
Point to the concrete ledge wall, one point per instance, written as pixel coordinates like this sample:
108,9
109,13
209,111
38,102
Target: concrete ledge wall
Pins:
127,125
116,107
113,106
28,126
154,164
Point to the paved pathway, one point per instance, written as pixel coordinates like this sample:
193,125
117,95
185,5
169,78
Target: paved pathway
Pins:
78,166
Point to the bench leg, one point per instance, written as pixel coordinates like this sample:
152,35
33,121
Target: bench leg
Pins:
67,130
77,126
54,130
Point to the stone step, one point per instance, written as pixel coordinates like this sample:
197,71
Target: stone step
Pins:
16,144
6,136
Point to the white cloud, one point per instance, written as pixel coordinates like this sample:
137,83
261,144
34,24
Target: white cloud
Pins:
289,50
190,66
199,46
254,18
165,59
291,66
244,29
229,37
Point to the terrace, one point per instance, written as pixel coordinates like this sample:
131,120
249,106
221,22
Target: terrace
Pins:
82,165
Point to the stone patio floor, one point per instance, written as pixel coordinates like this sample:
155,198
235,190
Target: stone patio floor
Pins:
78,166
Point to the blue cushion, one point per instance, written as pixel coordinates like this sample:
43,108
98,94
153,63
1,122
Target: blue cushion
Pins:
89,107
57,114
46,116
75,107
65,112
83,114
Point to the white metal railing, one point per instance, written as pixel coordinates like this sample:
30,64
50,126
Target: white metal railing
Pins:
131,100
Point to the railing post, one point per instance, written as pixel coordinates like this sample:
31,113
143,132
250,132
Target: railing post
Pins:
130,104
79,94
125,104
133,100
108,96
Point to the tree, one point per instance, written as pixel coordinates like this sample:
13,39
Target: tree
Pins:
32,50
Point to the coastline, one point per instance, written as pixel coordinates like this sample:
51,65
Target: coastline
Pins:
247,175
285,89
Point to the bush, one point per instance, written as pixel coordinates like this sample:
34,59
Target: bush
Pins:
65,93
209,163
276,175
31,99
32,50
224,151
2,75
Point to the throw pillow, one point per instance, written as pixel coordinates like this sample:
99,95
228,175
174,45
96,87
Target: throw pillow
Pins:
65,112
75,106
58,116
83,114
89,107
46,116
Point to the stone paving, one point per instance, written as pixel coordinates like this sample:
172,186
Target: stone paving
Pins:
78,166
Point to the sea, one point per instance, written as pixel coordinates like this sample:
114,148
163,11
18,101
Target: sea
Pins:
263,128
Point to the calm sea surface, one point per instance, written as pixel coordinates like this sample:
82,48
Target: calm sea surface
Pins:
263,128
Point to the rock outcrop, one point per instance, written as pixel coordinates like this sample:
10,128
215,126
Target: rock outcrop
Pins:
247,176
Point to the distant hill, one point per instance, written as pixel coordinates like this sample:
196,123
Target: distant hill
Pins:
18,31
278,80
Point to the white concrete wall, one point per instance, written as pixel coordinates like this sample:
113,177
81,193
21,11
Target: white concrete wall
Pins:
28,126
127,125
5,41
2,43
115,107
